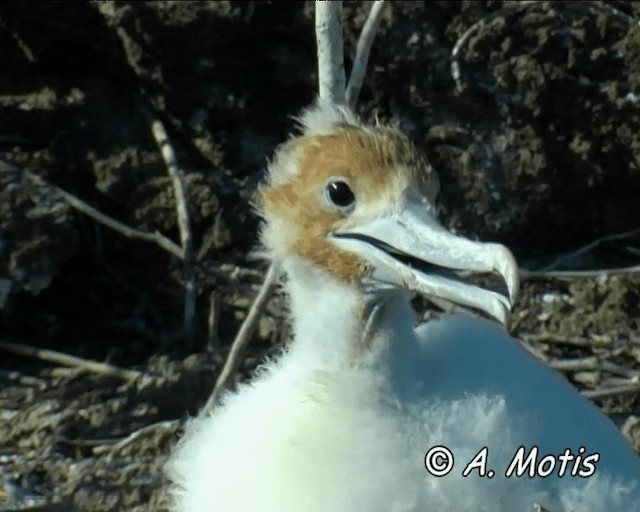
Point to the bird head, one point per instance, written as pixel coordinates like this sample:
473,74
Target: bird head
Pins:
358,203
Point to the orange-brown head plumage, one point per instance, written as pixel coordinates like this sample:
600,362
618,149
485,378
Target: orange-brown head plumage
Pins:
379,164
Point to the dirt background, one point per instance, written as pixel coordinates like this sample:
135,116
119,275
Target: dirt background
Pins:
538,148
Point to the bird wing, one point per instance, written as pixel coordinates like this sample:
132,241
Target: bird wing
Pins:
462,358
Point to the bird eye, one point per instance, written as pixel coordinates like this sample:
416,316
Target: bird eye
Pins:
340,194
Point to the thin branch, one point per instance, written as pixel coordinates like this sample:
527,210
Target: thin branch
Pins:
331,78
242,338
598,363
231,274
362,52
52,356
550,272
602,393
77,203
166,427
213,341
157,238
588,247
24,47
570,274
184,226
23,380
558,339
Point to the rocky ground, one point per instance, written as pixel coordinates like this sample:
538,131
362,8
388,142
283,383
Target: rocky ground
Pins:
537,145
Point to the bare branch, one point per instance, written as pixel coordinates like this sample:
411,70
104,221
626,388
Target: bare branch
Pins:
331,78
182,212
24,47
213,341
362,52
549,271
67,360
77,203
165,427
591,245
558,339
602,393
598,363
242,338
570,274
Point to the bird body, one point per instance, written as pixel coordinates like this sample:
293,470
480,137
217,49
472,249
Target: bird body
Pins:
347,416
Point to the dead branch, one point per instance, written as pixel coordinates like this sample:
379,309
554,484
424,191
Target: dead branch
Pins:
591,379
598,363
77,203
242,338
550,270
590,246
53,356
570,274
24,47
166,427
231,274
23,380
120,17
157,238
213,341
558,339
602,393
184,225
362,52
331,78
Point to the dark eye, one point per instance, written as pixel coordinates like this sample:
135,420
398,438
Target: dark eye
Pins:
340,194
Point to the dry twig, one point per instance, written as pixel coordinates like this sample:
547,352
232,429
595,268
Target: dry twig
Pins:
550,270
184,226
78,204
213,341
598,363
242,338
559,339
590,246
570,274
23,380
362,52
602,393
166,427
21,43
53,356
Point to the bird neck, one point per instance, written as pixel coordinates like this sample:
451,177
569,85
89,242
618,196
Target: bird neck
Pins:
336,326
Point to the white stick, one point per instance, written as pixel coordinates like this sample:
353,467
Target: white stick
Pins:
362,52
331,80
184,226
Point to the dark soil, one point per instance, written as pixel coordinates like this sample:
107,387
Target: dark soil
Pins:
537,147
